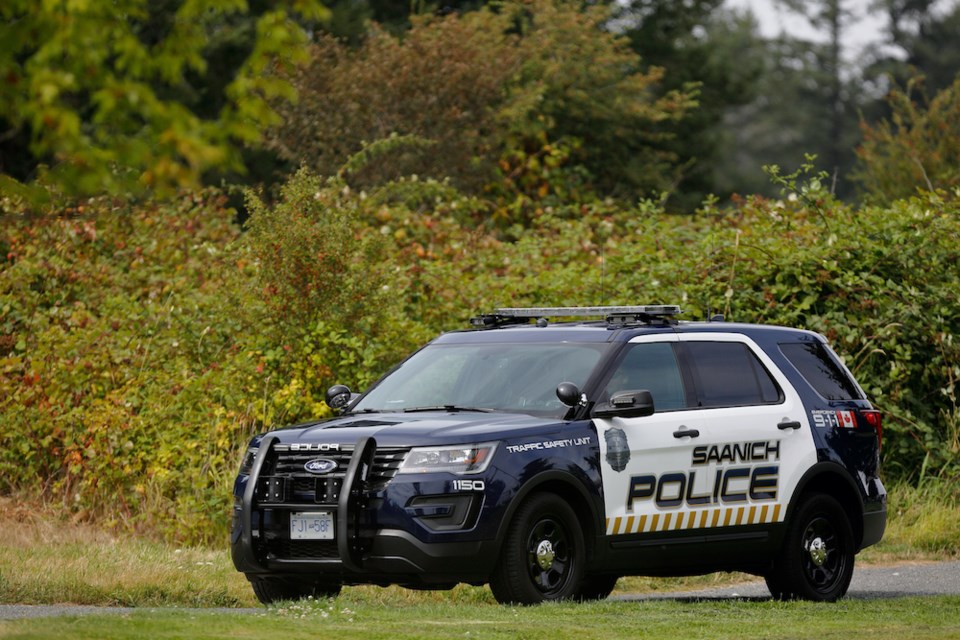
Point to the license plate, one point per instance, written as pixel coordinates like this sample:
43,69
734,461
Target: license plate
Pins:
311,526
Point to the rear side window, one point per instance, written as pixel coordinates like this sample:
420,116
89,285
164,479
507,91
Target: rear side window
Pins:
819,368
728,374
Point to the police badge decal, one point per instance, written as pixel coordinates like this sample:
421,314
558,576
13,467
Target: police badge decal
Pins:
618,451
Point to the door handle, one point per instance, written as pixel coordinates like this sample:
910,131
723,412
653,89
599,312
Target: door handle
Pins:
788,424
686,433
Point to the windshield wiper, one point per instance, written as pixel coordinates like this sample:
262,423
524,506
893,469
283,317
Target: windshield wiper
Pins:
447,407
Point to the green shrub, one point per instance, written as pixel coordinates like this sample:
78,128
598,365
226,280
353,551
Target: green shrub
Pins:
114,377
141,345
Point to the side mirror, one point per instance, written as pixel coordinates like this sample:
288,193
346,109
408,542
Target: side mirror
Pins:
569,394
626,404
338,397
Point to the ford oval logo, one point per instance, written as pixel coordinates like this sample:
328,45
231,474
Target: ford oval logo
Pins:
320,466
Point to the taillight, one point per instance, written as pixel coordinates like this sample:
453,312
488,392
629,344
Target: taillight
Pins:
873,419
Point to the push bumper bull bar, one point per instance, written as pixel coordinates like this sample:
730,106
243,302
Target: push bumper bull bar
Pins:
349,506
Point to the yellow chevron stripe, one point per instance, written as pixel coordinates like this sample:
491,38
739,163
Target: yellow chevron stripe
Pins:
695,519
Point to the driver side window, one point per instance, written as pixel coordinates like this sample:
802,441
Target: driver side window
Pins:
654,367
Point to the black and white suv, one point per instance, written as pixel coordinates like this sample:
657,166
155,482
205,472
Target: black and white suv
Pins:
550,458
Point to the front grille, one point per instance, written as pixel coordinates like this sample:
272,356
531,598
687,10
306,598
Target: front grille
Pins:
302,549
285,479
285,487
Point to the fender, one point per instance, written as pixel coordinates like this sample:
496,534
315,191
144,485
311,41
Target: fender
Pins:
846,495
554,477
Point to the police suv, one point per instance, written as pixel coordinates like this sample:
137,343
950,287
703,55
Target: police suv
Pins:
550,458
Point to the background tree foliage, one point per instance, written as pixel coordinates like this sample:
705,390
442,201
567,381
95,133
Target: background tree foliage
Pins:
698,44
917,149
923,39
119,96
515,102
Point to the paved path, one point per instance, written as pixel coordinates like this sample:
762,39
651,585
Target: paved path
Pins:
894,581
916,579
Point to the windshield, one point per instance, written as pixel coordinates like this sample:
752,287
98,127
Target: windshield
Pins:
504,377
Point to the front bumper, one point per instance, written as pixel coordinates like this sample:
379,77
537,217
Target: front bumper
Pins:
364,550
395,557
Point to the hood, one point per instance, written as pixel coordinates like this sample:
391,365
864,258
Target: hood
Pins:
420,429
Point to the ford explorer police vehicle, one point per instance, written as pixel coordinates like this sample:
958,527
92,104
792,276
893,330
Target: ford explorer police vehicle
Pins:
548,459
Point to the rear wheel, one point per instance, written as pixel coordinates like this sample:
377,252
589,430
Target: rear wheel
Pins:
273,589
816,562
543,554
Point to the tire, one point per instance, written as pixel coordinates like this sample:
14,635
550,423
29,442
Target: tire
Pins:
777,590
543,554
596,587
817,558
270,590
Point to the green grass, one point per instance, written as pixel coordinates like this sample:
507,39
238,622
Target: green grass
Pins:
923,523
349,617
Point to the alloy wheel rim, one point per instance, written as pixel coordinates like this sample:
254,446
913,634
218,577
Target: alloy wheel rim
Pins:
822,561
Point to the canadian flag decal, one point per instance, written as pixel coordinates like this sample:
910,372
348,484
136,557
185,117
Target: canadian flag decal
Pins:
845,419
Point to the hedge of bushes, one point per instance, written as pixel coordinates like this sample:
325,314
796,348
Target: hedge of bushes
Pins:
142,344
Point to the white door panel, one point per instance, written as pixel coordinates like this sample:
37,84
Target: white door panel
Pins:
736,468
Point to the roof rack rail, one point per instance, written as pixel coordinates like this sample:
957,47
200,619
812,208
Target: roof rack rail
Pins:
613,315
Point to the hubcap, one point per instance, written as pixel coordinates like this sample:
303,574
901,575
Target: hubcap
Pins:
823,559
545,554
549,556
818,551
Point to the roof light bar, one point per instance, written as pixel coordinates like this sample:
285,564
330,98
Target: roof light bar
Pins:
545,312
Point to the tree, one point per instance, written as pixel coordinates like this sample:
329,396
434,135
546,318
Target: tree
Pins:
350,19
535,90
917,149
698,43
923,40
834,17
807,103
126,95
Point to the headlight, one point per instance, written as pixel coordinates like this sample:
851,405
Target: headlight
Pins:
470,458
247,463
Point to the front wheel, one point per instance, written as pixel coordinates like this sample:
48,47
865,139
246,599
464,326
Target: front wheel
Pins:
543,554
816,562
